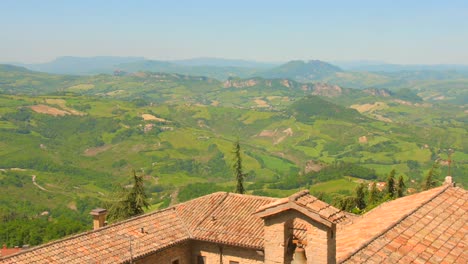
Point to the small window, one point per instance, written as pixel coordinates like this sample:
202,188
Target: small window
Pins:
233,262
175,261
201,260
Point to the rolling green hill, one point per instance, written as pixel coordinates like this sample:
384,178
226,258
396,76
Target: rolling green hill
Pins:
67,141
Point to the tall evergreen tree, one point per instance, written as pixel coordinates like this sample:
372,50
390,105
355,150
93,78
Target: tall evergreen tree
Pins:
360,196
391,184
400,186
130,201
238,168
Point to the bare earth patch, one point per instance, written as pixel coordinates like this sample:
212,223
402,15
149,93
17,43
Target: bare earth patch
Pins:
62,104
277,136
148,117
48,110
81,87
261,103
402,102
312,165
363,140
72,206
94,151
369,107
17,169
383,118
116,92
273,97
267,133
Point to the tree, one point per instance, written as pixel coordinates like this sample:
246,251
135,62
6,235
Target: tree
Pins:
391,184
360,196
130,201
373,193
400,187
238,168
346,203
429,181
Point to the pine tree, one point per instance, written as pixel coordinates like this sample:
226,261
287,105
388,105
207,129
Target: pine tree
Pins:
391,184
360,196
400,187
238,168
130,201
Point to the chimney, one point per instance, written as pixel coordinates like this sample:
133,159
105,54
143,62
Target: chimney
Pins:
449,180
99,217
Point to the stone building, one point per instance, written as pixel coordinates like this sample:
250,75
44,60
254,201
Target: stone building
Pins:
427,227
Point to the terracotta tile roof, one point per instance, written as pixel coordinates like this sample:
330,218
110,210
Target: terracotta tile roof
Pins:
219,217
428,227
8,251
111,244
431,223
234,222
194,211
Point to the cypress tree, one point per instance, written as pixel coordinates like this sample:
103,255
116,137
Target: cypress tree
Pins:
400,188
360,196
238,168
391,184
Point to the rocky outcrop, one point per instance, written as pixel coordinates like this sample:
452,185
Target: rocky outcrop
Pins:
328,90
240,83
286,83
377,92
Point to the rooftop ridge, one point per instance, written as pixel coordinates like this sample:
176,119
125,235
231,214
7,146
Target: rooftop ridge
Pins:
251,196
299,194
385,230
278,201
183,223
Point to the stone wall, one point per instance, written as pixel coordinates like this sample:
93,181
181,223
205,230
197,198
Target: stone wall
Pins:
321,245
217,253
179,252
277,231
189,252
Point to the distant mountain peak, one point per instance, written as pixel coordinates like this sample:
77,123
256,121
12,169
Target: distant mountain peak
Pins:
12,68
303,70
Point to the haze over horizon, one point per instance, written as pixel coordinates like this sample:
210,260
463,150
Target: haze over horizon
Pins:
399,32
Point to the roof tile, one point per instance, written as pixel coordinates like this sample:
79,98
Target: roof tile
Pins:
423,231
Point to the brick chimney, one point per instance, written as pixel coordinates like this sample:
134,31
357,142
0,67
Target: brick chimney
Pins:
99,217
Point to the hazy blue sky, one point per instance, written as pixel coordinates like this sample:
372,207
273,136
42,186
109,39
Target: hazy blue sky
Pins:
410,31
